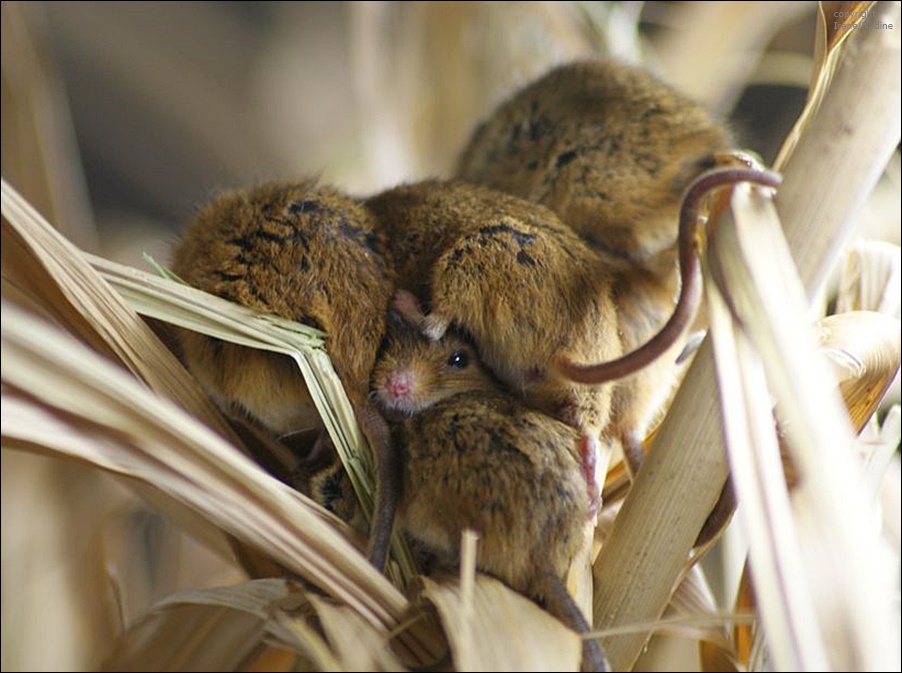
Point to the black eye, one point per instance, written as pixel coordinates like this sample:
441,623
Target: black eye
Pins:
458,360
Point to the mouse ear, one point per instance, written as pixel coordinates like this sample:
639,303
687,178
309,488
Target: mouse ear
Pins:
406,305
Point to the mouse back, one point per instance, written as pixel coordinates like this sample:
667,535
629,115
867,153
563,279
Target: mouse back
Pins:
486,462
512,276
301,251
607,146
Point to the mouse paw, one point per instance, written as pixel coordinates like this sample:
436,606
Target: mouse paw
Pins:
633,452
589,449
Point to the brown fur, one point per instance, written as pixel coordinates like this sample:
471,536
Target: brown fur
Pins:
307,253
611,150
607,146
474,457
512,276
432,370
485,462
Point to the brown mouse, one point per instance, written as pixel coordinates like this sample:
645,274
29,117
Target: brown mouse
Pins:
411,374
612,151
486,462
307,253
475,457
513,278
536,300
607,146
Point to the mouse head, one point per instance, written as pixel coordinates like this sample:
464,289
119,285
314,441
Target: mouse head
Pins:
413,372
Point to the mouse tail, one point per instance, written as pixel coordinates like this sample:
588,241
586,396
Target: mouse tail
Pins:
388,481
560,603
690,282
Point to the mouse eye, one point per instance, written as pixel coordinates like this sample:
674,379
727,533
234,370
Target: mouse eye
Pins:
458,360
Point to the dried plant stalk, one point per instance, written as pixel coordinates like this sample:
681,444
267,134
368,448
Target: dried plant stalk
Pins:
62,398
827,178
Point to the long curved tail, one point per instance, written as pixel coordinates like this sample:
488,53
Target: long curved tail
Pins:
690,283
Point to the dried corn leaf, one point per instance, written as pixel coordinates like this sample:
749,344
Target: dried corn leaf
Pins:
817,539
54,274
830,32
881,458
65,399
32,249
693,597
842,150
649,543
297,628
826,180
357,645
887,486
864,352
187,307
501,630
178,304
224,629
864,349
871,278
757,476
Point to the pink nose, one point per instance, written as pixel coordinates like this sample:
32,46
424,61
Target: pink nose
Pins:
399,384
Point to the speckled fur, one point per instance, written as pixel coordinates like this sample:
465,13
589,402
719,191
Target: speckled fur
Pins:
303,252
607,146
299,251
611,150
483,461
431,375
509,274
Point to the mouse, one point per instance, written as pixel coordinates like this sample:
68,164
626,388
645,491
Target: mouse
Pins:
414,372
612,150
511,277
607,146
535,299
308,253
484,461
476,457
411,374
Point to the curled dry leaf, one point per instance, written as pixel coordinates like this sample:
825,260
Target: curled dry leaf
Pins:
864,349
833,21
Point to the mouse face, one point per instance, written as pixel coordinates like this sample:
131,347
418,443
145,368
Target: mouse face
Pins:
414,372
606,146
511,275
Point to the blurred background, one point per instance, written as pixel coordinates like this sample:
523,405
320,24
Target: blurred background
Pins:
143,110
120,119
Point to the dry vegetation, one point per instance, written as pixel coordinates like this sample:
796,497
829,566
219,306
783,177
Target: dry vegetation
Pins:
138,535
